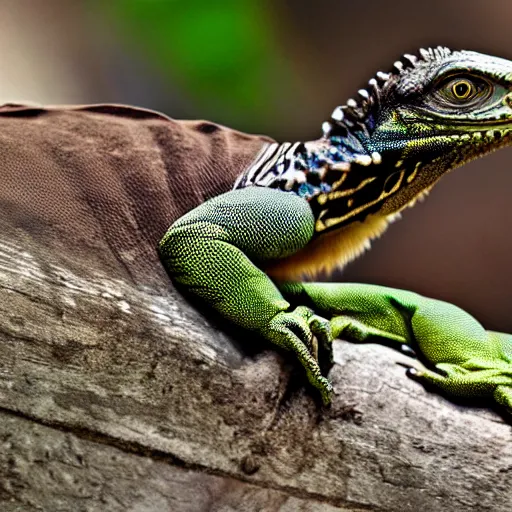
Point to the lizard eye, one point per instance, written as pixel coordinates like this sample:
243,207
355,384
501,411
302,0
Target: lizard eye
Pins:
466,91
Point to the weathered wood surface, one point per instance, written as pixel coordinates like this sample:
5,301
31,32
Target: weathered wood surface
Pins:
115,397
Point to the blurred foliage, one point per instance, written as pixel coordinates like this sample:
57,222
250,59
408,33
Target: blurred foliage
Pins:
222,53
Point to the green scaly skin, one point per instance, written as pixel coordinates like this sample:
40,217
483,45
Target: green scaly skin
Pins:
415,126
471,361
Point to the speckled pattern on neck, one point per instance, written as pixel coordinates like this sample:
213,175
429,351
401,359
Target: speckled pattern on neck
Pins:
305,168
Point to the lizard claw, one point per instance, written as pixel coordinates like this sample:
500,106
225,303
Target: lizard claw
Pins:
407,350
322,332
412,372
419,372
300,331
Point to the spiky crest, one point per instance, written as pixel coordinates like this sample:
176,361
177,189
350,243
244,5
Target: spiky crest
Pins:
353,115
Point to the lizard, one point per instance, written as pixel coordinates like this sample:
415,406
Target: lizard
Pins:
302,208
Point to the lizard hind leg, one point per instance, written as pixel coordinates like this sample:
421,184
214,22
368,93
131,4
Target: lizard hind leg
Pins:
458,381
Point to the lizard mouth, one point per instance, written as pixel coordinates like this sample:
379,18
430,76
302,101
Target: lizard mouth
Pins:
489,119
490,132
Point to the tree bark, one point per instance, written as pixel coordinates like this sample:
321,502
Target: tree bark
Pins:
117,397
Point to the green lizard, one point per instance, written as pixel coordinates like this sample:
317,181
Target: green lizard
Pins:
303,208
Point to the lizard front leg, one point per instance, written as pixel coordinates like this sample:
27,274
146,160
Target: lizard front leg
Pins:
214,253
470,361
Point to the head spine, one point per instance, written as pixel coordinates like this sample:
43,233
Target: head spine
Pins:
353,116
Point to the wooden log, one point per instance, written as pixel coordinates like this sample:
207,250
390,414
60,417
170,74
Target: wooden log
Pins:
115,396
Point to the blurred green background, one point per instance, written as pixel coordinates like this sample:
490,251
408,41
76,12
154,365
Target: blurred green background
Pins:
279,67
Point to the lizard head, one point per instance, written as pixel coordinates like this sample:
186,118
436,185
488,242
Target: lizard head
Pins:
433,112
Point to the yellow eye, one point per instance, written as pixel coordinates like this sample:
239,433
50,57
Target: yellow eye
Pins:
462,92
463,89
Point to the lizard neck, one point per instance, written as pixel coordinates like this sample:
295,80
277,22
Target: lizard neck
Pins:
306,168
